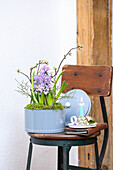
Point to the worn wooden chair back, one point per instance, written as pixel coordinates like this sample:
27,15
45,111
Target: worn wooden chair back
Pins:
94,80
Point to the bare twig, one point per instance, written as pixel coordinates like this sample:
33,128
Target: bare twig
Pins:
68,53
38,64
31,70
23,74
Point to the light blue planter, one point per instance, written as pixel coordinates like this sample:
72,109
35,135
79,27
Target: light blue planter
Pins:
44,121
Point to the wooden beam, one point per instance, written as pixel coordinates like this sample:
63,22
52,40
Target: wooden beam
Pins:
94,32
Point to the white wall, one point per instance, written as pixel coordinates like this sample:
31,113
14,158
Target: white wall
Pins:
29,30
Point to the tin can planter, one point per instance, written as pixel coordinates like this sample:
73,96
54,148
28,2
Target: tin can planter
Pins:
44,121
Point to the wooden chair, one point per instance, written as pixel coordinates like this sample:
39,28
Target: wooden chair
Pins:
94,80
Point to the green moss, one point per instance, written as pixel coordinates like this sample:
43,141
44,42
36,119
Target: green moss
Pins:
36,106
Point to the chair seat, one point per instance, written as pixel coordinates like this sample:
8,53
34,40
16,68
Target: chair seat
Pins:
92,133
62,136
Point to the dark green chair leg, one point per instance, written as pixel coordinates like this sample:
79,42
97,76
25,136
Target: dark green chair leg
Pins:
29,156
97,156
66,157
60,158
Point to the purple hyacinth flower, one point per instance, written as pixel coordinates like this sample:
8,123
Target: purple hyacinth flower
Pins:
43,80
45,68
36,77
35,82
35,86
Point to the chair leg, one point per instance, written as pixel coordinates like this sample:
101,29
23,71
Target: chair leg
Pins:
65,157
97,156
29,156
60,158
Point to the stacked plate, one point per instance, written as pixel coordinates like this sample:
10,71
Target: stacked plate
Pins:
71,100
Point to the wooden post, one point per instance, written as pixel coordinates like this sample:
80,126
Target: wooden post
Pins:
94,32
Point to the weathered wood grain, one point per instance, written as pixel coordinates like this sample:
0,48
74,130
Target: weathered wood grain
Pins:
94,29
61,136
94,80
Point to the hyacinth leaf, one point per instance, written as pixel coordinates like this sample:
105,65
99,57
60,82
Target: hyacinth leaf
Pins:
45,100
64,85
51,92
38,97
49,99
57,81
34,97
42,98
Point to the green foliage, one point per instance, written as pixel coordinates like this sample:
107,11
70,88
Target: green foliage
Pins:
54,87
64,85
23,88
44,101
91,122
37,106
49,99
33,94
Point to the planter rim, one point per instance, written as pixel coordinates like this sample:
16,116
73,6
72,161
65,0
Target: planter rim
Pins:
44,110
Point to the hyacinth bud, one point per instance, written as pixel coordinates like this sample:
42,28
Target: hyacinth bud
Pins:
18,71
70,53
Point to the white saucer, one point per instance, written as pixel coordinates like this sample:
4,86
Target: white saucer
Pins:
82,126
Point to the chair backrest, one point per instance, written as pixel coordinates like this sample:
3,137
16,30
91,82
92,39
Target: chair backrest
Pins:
94,80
